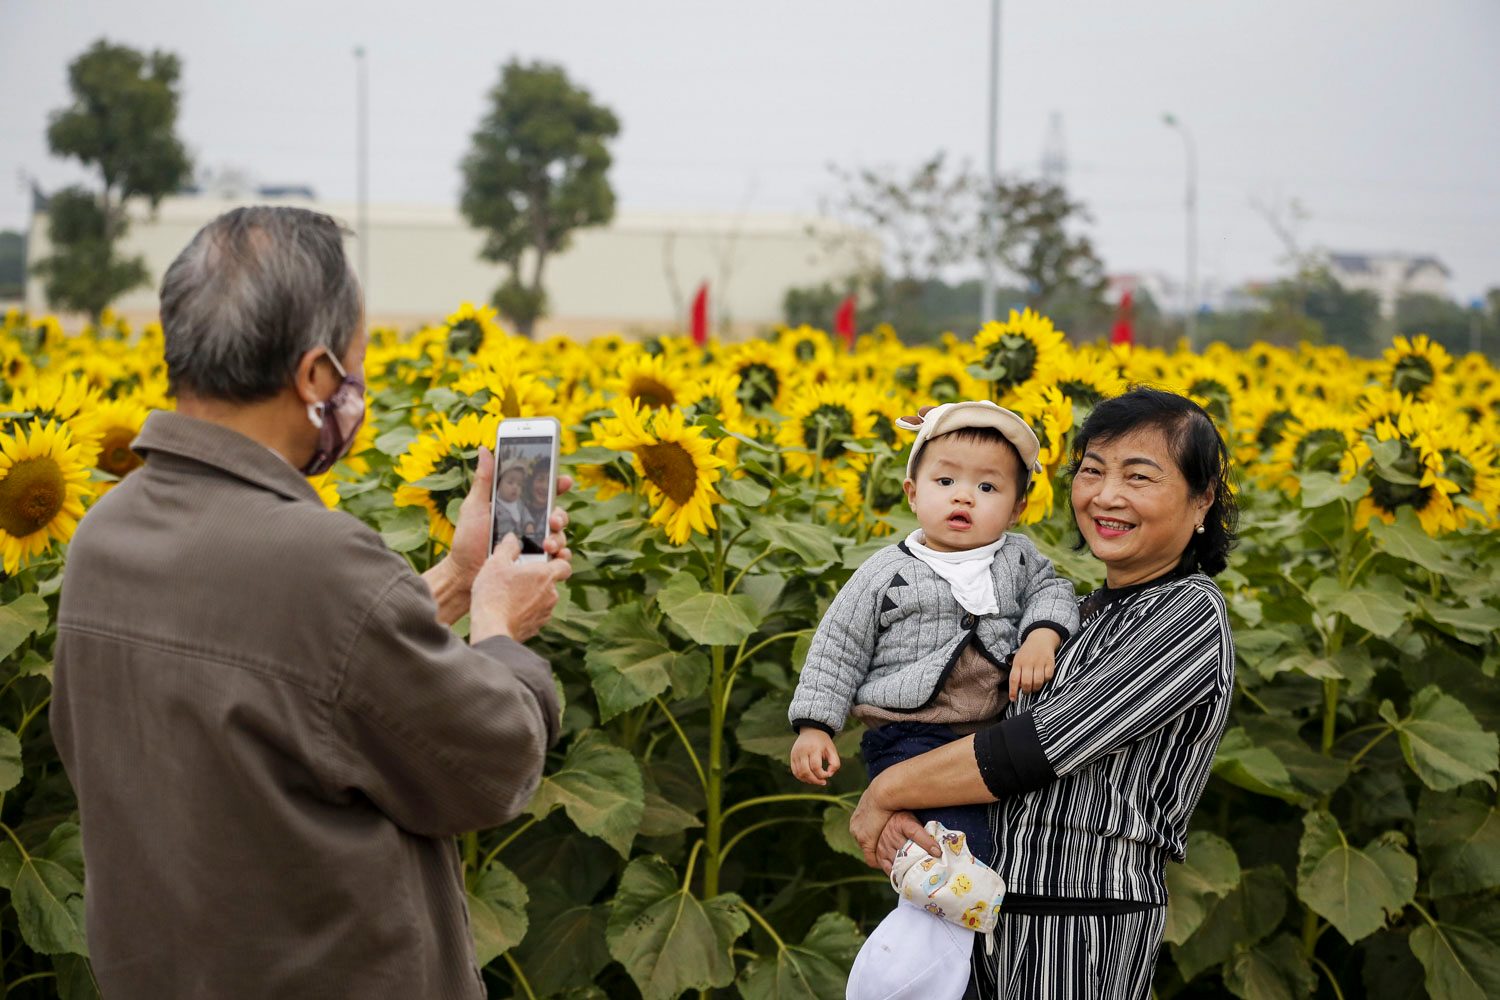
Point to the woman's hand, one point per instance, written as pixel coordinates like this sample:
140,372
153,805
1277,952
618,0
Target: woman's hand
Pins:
903,826
872,818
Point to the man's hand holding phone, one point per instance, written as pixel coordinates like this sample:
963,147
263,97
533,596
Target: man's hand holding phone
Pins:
515,598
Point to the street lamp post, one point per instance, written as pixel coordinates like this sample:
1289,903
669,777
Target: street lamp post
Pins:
362,167
1190,293
987,299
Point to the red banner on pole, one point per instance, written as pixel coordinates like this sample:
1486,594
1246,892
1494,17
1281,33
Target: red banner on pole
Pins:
843,322
700,315
1124,331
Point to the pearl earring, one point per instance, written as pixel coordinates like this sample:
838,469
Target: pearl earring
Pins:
1198,530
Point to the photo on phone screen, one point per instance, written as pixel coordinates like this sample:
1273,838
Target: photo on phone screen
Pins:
523,490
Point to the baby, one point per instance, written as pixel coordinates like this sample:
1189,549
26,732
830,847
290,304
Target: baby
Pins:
920,640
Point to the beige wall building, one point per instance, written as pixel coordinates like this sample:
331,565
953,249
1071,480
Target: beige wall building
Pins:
638,274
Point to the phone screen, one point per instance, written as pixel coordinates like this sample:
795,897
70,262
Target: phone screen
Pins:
523,490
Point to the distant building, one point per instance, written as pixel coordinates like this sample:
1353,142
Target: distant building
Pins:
1390,275
639,273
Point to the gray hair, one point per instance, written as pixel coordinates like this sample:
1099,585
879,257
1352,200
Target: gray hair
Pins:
256,289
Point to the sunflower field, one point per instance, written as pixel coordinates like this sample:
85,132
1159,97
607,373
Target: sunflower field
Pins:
1347,845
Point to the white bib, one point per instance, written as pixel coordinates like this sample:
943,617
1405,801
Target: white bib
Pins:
967,572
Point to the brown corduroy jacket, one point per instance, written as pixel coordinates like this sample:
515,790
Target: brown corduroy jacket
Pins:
273,739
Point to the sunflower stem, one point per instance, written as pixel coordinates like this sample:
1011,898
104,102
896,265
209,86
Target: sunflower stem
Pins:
714,822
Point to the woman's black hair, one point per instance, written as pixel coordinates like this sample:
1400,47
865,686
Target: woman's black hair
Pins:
1197,448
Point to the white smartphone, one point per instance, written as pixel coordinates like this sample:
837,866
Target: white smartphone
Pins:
525,483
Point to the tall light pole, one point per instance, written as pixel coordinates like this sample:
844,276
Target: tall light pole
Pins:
987,300
362,169
1190,293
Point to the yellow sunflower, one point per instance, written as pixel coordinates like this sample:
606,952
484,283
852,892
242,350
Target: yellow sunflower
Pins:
827,417
505,390
116,422
764,374
674,462
1007,354
471,328
1049,413
1417,367
66,399
44,480
1409,475
649,381
1318,438
437,469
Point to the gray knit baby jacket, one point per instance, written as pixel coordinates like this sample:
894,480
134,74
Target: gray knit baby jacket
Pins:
895,630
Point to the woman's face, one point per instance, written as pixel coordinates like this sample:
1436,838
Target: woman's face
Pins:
1134,506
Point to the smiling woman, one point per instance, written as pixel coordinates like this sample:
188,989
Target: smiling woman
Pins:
1095,776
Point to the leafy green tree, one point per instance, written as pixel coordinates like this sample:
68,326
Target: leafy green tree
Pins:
122,122
1349,318
1444,320
536,172
1038,242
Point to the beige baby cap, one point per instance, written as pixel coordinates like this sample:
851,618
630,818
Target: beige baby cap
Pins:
956,887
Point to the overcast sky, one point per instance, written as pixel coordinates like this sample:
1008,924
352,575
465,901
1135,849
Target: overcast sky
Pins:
1382,117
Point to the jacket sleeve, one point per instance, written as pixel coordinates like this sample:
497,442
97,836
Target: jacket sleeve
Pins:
442,736
1047,600
840,654
1178,656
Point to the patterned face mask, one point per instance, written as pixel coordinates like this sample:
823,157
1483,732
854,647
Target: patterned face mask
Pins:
955,887
338,420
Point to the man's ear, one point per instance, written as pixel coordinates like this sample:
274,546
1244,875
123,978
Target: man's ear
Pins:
310,382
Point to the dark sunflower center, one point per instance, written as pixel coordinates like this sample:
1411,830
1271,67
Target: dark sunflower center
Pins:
649,392
906,376
115,456
1272,430
1216,394
806,350
1320,450
1012,359
1412,375
465,337
671,469
1080,392
1389,496
759,385
885,493
31,494
944,389
835,422
885,429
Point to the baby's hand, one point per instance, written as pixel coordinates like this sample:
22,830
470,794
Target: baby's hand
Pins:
814,758
1035,662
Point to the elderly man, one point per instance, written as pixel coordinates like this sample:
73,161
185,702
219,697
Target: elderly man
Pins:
273,733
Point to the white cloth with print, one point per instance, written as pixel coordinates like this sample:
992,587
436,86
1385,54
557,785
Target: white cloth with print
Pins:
967,572
921,950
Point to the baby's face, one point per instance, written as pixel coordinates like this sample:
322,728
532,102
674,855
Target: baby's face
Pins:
510,486
966,493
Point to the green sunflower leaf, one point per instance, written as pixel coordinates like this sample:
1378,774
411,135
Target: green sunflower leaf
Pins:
497,912
10,760
1254,768
1460,843
1461,953
1272,970
48,901
26,616
1354,890
811,543
629,662
1248,914
1442,742
1210,872
708,618
599,786
813,970
667,939
1380,607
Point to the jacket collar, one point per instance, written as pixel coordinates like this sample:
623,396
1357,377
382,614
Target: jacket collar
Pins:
218,447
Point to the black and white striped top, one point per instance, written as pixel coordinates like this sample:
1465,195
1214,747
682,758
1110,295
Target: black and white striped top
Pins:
1098,772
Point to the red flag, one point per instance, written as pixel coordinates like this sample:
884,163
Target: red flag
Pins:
843,321
700,315
1124,332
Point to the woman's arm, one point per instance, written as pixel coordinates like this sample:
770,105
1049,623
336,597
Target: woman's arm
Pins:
946,776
